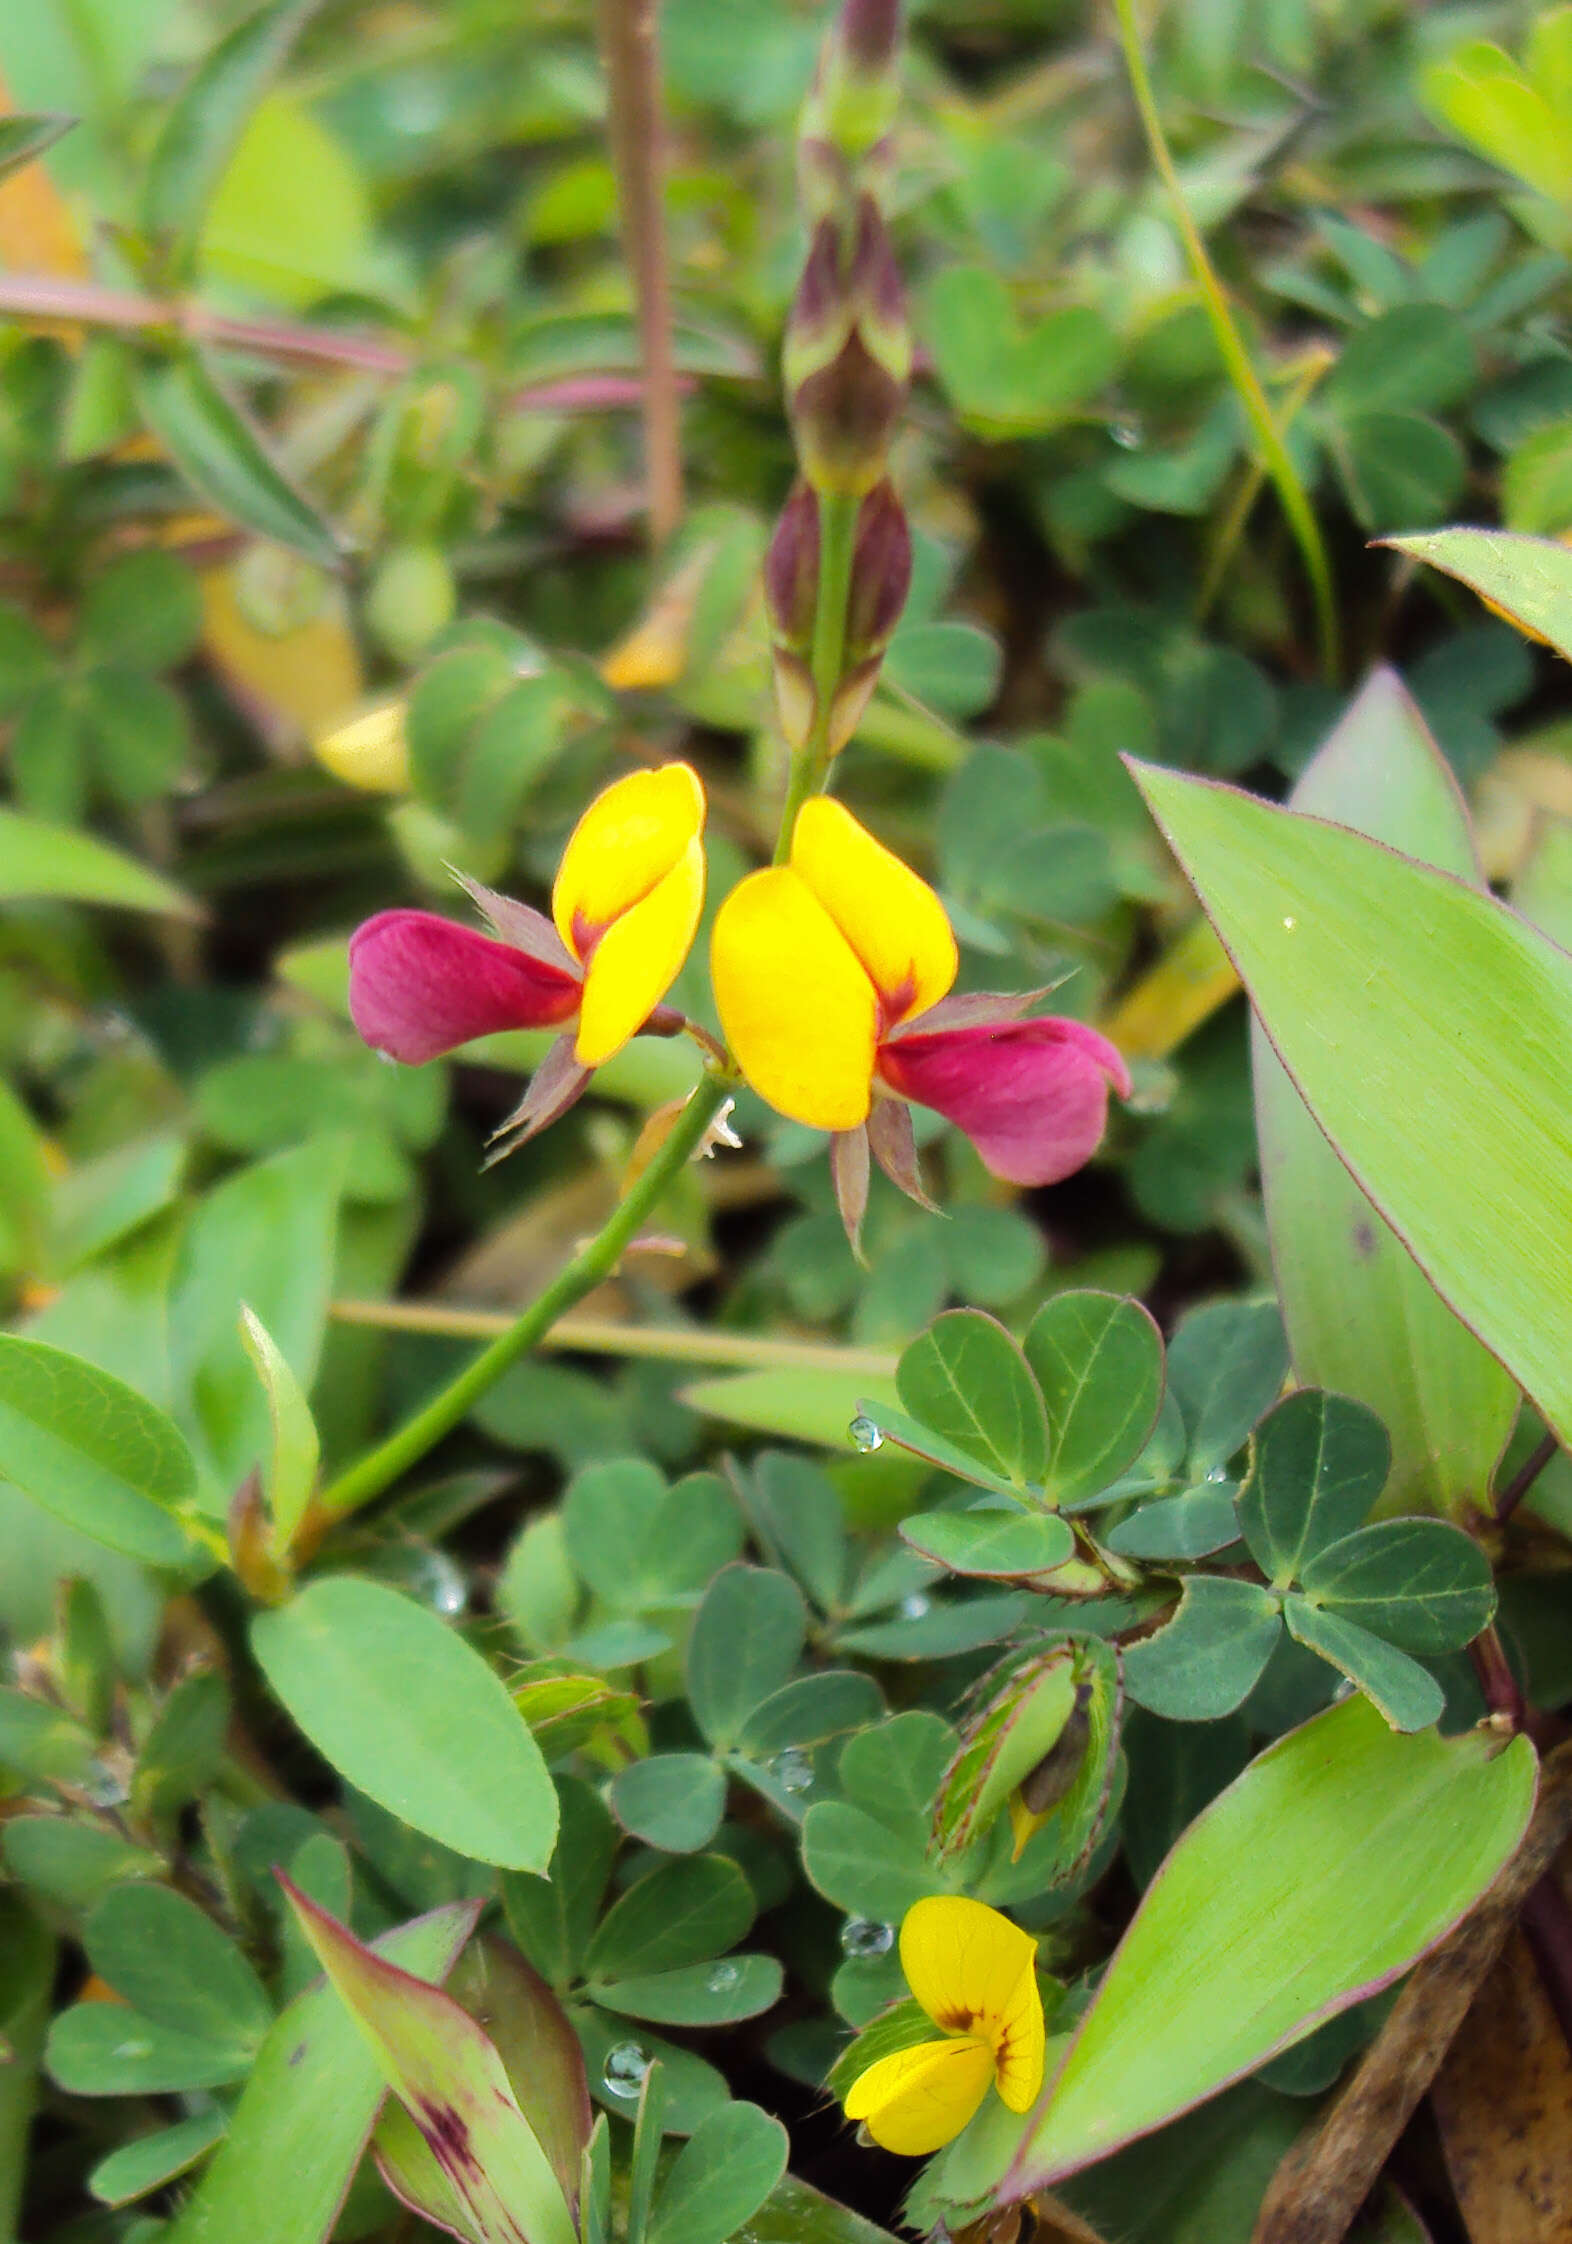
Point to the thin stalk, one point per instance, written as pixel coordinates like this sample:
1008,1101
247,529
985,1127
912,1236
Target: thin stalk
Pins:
371,1474
1232,527
838,513
1230,343
1526,1475
630,48
604,1336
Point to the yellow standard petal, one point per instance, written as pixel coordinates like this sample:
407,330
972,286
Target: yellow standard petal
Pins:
630,838
892,920
917,2099
975,1973
798,1011
638,958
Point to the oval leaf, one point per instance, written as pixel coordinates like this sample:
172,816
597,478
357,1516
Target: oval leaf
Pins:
1000,1545
1422,1584
407,1712
1099,1362
93,1451
1317,1464
1209,1658
967,1379
223,458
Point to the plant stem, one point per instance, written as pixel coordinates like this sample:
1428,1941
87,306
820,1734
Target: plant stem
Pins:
1236,358
1232,527
1526,1475
604,1336
630,48
597,1260
838,511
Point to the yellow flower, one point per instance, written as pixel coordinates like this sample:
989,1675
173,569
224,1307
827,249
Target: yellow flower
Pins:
370,751
975,1975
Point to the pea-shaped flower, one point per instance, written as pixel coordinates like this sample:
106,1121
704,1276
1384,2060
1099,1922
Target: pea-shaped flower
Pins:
624,907
832,975
975,1975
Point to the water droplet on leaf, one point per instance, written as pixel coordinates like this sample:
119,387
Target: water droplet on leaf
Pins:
625,2068
792,1770
723,1975
865,1435
865,1936
916,1607
1127,432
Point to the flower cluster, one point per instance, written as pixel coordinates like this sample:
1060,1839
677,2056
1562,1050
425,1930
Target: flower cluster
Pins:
975,1976
832,976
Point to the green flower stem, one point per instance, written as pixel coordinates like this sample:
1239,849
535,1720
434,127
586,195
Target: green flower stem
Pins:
838,511
1230,343
593,1263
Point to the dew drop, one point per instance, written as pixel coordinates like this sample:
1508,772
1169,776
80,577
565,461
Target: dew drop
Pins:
792,1770
723,1976
104,1787
1127,432
1290,923
865,1435
916,1607
625,2067
1218,1472
865,1936
133,2049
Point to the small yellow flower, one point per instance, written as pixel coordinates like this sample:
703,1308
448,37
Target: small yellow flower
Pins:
975,1975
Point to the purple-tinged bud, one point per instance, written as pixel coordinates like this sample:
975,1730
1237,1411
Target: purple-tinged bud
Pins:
796,703
857,86
881,573
847,357
791,570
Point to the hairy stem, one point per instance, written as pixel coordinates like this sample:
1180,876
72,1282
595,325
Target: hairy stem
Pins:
594,1262
1236,358
630,49
837,545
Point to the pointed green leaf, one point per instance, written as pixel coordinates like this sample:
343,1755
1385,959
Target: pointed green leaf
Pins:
450,2079
1362,1317
93,1451
39,859
1342,1853
403,1708
22,138
1317,1464
171,1962
1426,1027
291,1475
967,1379
684,1912
1209,1658
1406,1693
415,2175
225,461
297,2134
1530,578
1421,1583
149,2161
1099,1362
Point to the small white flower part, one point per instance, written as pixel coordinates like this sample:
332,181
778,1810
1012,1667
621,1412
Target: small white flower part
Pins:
719,1133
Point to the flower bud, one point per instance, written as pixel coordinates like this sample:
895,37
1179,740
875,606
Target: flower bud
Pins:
848,353
791,570
857,86
881,573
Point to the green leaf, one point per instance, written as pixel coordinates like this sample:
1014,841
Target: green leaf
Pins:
291,1473
1023,1722
799,2214
1421,1583
721,2177
42,860
401,1706
1006,378
106,2049
684,1912
702,1994
674,1801
997,1545
810,1710
23,138
142,612
205,123
693,2089
638,1543
93,1451
450,2079
862,1866
222,457
1407,1694
1272,1885
814,1406
39,1741
1362,1317
1399,467
1193,1525
1210,1656
1529,578
138,733
1437,1075
149,2161
184,1750
950,667
552,1918
747,1637
70,1863
1099,1362
299,2129
1317,1464
1415,358
1226,1364
967,1379
892,1425
173,1965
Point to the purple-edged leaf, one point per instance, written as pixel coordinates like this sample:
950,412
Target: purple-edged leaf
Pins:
454,2085
1339,1856
302,2122
410,2167
534,2037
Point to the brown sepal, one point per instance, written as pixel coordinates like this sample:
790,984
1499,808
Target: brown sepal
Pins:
553,1088
849,1175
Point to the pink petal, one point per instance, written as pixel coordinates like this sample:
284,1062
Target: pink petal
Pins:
1031,1095
419,985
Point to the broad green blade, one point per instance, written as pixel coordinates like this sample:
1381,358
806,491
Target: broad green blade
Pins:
1362,1317
1527,579
1340,1855
1429,1030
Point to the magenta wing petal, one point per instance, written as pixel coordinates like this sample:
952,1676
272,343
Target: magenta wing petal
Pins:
1031,1095
419,985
